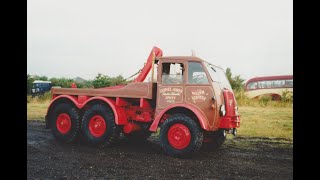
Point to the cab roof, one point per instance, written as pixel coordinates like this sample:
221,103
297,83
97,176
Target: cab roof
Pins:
187,58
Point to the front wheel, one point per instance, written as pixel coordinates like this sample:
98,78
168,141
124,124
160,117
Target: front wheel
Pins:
180,136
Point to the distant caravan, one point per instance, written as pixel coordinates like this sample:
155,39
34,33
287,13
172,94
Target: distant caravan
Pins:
269,85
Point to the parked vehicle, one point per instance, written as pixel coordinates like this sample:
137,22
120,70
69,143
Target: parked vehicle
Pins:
269,86
189,99
40,87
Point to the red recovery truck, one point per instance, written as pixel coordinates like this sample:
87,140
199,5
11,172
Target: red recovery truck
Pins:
189,99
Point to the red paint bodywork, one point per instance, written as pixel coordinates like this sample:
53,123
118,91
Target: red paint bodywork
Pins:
201,117
63,123
131,127
147,67
231,119
179,136
97,126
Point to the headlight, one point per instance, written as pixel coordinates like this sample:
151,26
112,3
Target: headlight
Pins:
222,110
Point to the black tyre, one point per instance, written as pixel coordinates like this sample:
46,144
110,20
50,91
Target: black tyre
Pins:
215,140
64,122
98,126
180,136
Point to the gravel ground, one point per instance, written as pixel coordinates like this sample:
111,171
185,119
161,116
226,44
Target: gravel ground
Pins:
238,158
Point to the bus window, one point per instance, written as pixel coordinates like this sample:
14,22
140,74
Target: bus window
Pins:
277,83
289,83
253,85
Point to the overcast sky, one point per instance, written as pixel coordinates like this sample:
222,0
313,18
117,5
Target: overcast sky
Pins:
70,38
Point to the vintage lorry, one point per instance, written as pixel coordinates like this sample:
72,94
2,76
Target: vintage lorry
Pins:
187,98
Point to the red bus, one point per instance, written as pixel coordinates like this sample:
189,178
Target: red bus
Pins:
269,85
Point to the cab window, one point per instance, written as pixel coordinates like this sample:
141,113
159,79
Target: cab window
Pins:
196,74
172,73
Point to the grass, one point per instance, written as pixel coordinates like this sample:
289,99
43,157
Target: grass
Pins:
259,118
37,110
270,122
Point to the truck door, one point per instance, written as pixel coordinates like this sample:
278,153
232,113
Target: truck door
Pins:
200,92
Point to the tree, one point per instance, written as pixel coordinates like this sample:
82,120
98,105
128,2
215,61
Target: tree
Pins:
41,78
101,81
236,82
106,81
29,84
62,82
117,80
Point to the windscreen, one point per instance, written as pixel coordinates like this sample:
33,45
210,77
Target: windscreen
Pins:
217,75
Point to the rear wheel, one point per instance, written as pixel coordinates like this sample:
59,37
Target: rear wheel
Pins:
98,126
180,136
64,122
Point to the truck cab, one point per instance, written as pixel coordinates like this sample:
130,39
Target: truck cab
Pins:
188,81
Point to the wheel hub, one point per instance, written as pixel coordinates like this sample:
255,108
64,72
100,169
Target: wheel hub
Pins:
63,123
97,126
179,136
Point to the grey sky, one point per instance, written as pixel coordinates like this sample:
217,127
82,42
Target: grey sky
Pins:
70,38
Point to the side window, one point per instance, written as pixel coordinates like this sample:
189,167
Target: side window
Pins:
289,83
172,73
196,74
253,85
278,83
265,84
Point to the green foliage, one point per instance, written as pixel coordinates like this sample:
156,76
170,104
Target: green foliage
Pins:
236,82
29,84
105,81
29,99
101,81
45,97
118,80
41,78
287,96
264,100
242,98
62,82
